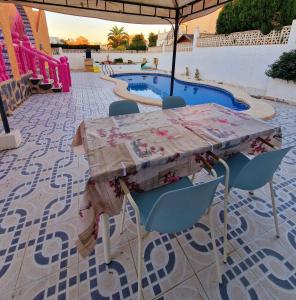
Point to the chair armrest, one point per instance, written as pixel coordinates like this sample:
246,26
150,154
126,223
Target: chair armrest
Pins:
225,165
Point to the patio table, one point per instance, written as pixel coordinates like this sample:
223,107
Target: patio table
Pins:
156,148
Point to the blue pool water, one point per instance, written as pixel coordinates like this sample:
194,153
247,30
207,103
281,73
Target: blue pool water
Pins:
157,86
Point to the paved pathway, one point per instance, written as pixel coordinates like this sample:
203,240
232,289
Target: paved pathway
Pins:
43,181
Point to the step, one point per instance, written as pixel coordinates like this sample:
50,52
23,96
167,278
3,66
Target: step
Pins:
35,81
57,89
46,85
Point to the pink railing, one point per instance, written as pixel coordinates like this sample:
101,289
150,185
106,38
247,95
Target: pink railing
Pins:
3,73
41,64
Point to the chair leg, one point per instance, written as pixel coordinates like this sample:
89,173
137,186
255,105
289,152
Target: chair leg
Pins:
140,263
226,196
225,239
140,242
214,247
122,214
276,223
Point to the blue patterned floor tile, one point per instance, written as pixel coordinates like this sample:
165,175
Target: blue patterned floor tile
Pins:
43,181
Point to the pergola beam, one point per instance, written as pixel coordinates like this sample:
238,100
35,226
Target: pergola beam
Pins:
176,29
38,4
101,6
204,7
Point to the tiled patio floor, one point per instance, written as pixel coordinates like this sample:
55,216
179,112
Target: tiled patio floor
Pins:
43,181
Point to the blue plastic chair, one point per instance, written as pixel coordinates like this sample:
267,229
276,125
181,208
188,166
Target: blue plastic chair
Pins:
123,107
170,209
173,102
118,108
249,175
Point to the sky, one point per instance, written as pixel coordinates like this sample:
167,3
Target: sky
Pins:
95,30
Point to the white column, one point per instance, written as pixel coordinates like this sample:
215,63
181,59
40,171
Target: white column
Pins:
195,37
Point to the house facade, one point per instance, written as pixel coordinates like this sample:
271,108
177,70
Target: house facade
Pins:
206,25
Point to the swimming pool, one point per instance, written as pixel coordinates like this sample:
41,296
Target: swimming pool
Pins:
157,86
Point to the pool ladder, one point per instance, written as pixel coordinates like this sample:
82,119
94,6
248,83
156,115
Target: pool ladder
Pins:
107,70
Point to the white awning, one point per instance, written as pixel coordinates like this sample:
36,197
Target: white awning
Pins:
130,11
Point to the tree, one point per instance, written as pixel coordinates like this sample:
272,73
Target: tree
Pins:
138,42
152,39
284,68
81,40
117,37
288,8
266,15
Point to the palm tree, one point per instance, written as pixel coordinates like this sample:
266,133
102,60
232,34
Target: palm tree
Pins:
117,36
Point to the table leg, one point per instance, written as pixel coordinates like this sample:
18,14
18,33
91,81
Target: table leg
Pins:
106,237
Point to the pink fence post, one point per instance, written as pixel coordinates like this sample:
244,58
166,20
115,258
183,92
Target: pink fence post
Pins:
31,58
22,57
16,44
42,69
53,75
68,70
25,55
63,75
3,73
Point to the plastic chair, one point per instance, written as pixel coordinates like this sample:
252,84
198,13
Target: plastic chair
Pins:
249,175
123,107
173,102
170,209
117,108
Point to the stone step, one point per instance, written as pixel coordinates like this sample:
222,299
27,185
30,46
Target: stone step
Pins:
57,89
39,87
46,85
5,56
36,81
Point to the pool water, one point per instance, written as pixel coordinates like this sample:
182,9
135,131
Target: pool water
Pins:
157,86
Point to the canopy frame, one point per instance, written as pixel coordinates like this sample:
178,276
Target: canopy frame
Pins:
186,10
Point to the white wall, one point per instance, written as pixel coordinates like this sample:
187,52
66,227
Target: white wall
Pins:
281,89
243,66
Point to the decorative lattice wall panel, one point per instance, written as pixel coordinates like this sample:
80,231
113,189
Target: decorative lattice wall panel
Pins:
246,38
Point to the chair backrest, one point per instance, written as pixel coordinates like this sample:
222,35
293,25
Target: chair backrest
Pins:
173,102
123,107
178,210
259,170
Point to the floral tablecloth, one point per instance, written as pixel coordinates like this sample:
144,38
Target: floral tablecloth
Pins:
155,148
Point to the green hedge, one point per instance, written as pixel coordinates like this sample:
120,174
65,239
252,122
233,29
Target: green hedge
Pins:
65,46
118,60
266,15
138,43
284,68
